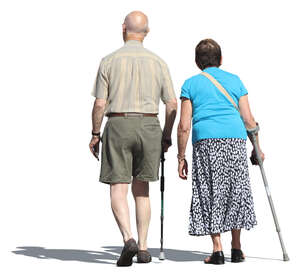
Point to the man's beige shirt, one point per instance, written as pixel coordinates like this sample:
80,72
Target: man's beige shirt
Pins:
133,79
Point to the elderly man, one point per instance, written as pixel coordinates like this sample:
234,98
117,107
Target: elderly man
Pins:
129,84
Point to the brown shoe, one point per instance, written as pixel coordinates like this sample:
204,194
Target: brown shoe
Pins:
129,250
143,256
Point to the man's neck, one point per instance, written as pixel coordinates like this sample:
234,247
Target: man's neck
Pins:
134,37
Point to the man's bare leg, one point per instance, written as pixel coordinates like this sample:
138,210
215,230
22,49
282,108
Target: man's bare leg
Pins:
119,205
140,191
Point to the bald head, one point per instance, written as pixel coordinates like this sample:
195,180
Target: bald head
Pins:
136,22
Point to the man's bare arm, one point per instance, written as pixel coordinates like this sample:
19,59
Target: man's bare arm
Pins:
98,114
171,110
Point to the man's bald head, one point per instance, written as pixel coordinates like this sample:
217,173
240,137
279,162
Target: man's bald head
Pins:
136,22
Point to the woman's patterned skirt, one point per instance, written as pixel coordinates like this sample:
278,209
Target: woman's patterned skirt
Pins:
222,198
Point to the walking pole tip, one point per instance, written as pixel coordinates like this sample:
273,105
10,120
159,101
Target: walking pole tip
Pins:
161,255
286,257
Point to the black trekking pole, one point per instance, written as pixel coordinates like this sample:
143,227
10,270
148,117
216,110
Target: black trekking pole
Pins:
162,189
258,161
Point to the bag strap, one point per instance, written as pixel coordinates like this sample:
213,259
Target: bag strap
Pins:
221,89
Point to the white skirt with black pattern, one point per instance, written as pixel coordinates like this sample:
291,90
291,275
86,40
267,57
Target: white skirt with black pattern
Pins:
222,198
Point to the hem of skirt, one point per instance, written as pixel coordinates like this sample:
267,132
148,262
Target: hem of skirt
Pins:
222,231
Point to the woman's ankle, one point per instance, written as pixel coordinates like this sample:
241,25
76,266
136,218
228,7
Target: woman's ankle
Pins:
236,245
217,247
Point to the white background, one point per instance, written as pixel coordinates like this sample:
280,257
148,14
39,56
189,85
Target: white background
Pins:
51,200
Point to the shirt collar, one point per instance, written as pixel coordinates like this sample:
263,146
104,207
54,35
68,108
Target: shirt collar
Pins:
134,43
211,69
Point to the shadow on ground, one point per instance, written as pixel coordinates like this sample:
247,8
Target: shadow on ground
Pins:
108,255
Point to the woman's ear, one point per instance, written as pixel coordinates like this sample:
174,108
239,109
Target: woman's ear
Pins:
221,60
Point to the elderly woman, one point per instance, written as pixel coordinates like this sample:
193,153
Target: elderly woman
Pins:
221,199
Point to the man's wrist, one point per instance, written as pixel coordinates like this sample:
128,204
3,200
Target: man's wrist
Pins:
167,141
166,136
167,133
96,134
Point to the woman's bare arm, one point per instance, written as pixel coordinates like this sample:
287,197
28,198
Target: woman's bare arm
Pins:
183,132
248,118
184,126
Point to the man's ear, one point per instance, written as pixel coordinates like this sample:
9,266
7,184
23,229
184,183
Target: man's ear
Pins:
124,28
148,30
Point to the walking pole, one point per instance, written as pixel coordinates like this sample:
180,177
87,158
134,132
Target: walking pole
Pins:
162,188
252,133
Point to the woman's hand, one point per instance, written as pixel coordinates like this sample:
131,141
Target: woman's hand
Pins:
262,155
183,169
254,157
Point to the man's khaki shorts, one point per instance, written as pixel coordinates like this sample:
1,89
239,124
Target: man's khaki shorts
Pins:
131,146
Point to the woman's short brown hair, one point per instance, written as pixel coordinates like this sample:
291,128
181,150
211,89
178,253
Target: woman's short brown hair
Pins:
208,54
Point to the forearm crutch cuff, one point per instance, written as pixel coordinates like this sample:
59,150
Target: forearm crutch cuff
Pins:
254,130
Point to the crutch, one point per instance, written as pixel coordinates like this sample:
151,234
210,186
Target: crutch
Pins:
252,135
162,189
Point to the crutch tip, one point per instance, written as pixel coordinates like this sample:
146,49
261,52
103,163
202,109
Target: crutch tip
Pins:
286,257
161,256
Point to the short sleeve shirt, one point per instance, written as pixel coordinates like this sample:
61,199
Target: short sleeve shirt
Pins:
214,116
133,79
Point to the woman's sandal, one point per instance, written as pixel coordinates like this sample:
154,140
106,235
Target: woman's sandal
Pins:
216,258
237,256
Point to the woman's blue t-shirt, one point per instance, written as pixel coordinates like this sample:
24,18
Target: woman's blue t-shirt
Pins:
214,116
